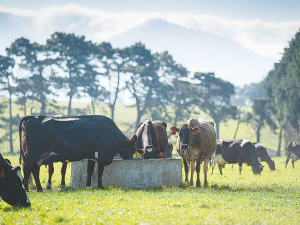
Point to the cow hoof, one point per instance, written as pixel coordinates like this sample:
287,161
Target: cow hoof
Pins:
198,184
62,186
48,187
39,190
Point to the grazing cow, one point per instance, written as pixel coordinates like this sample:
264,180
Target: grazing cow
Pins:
12,190
262,155
293,152
236,151
51,139
196,143
152,139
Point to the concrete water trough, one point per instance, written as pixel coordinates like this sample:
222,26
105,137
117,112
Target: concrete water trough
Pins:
135,173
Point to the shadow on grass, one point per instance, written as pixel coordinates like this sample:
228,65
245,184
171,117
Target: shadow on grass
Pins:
15,208
183,187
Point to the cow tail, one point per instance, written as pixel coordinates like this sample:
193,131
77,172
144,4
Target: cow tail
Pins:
20,136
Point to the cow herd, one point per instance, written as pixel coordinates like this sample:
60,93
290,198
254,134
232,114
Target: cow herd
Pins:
45,140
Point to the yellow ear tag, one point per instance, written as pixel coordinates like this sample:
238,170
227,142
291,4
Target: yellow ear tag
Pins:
138,154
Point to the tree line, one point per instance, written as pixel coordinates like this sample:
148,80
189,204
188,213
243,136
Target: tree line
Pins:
282,88
37,74
67,63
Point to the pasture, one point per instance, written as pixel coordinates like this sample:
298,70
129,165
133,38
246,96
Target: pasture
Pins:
272,198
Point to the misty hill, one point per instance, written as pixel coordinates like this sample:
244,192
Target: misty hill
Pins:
199,51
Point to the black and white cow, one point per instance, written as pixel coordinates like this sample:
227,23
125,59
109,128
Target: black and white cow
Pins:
263,156
236,151
293,152
12,190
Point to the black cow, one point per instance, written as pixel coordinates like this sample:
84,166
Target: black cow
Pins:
262,155
51,139
152,139
12,190
293,152
236,151
50,166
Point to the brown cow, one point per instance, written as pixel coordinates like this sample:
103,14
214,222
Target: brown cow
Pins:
196,143
152,139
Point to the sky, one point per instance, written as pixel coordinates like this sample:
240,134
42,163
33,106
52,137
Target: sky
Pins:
264,27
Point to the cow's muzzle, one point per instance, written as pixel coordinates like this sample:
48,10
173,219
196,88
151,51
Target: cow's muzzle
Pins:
184,146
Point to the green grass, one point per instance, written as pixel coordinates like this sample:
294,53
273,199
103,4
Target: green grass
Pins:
271,198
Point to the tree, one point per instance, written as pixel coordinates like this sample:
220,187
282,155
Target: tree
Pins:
172,90
74,56
214,97
241,117
34,58
113,61
263,113
142,78
283,85
6,77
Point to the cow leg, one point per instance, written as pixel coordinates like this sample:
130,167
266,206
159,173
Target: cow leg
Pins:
50,173
205,168
287,160
186,169
100,172
212,166
63,175
198,172
36,176
27,168
90,171
192,173
240,167
293,163
220,169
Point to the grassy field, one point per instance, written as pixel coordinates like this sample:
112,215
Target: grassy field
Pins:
271,198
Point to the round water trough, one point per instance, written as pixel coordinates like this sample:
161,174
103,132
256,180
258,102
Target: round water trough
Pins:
135,173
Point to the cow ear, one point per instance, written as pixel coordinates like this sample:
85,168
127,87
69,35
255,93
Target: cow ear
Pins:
16,168
8,161
211,123
164,124
174,130
133,139
294,144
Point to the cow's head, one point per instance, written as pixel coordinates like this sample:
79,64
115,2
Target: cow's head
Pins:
257,168
187,135
272,165
11,188
147,140
129,149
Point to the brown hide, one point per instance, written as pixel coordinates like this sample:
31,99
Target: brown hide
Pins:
147,135
162,134
204,143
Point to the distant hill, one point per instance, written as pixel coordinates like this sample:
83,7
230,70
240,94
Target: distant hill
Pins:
196,50
199,51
